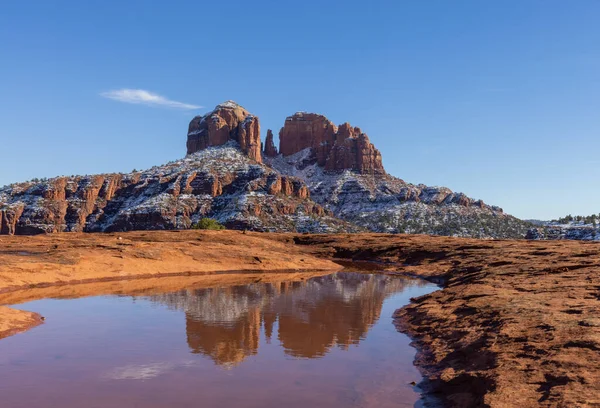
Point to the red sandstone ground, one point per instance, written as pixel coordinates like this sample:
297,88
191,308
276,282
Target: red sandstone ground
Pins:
516,325
67,259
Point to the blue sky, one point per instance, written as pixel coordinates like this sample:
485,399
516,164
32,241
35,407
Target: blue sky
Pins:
499,100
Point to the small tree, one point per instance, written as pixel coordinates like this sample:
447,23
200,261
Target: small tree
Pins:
208,224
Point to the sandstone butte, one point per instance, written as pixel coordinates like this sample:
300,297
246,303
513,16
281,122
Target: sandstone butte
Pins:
323,179
516,323
336,148
229,121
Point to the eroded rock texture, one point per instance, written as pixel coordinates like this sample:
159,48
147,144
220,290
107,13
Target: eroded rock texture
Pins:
220,183
343,148
228,121
270,149
324,179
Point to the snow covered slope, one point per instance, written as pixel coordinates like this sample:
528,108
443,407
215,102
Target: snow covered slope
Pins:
218,182
577,230
383,203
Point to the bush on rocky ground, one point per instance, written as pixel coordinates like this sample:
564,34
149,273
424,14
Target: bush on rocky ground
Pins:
208,224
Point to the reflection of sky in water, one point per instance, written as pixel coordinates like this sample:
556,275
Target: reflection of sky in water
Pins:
327,339
140,372
145,371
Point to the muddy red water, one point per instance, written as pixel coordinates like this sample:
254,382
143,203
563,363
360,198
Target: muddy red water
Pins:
324,342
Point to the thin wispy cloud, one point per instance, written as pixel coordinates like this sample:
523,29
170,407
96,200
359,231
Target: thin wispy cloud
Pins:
143,97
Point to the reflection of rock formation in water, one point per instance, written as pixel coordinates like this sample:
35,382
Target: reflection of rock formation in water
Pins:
330,311
313,315
223,323
225,344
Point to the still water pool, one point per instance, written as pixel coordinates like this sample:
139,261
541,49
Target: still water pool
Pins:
327,341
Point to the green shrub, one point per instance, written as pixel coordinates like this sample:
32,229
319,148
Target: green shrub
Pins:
208,224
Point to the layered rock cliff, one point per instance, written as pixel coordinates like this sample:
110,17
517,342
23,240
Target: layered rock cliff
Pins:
335,149
323,178
345,174
221,177
228,121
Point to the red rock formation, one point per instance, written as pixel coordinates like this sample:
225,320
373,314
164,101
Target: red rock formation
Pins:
270,149
165,197
303,130
55,189
333,148
249,138
229,184
202,184
228,121
9,217
286,185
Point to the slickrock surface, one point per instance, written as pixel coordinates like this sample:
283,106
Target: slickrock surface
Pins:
517,324
43,260
63,259
13,321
